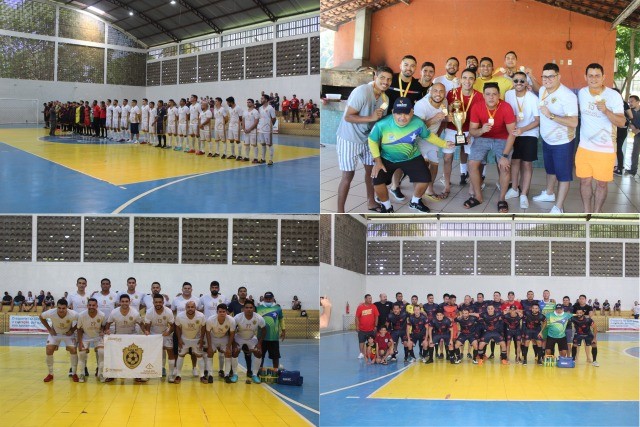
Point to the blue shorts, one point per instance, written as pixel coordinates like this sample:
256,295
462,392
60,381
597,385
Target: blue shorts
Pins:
438,337
492,335
569,333
466,337
530,335
417,339
398,336
513,334
481,147
577,339
559,160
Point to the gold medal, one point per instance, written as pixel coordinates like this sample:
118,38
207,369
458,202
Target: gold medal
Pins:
490,121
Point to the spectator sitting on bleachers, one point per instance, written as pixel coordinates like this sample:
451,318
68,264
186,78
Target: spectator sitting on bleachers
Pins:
29,303
616,308
596,305
296,304
49,301
18,300
40,299
636,310
7,299
606,307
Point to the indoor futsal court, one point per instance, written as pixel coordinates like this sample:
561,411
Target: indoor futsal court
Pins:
156,403
76,174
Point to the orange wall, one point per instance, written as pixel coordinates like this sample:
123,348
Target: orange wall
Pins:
434,30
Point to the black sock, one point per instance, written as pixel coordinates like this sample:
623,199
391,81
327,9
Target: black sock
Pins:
412,354
525,350
503,355
594,353
493,346
536,351
480,353
475,354
574,352
430,352
406,353
247,359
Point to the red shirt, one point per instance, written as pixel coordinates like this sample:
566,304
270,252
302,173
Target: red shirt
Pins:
103,112
383,342
502,116
309,106
476,97
285,105
96,112
295,103
507,305
366,315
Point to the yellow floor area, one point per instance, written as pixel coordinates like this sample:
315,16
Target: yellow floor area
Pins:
27,401
122,164
615,379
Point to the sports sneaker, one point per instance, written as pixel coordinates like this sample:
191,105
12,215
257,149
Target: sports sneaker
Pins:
177,379
255,161
419,206
440,356
195,372
524,202
178,148
457,361
199,153
48,378
270,163
469,356
231,157
75,378
239,159
474,361
524,362
361,356
262,161
108,380
171,379
596,364
544,197
227,379
70,373
397,194
429,360
463,178
216,155
255,379
393,359
101,378
204,380
629,172
491,357
210,379
385,210
221,373
246,159
617,171
411,359
224,156
210,155
192,151
556,210
504,361
81,378
511,194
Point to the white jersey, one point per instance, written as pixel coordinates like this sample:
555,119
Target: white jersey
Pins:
133,114
597,133
219,115
172,114
248,328
106,303
448,84
117,111
203,118
78,303
61,325
91,326
526,110
250,117
265,124
191,328
182,115
209,304
125,323
179,303
235,114
135,299
147,301
159,322
194,112
425,110
109,112
153,113
561,102
218,330
144,111
125,112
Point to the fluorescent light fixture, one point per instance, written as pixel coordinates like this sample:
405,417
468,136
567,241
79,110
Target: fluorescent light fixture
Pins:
130,13
173,1
96,10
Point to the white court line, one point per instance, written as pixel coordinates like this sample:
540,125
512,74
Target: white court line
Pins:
288,399
504,401
365,382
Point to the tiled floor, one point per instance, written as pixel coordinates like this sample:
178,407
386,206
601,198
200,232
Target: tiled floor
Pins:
623,197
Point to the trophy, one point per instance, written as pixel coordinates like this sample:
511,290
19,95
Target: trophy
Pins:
458,119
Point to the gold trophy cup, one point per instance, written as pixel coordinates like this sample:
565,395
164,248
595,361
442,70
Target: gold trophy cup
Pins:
458,118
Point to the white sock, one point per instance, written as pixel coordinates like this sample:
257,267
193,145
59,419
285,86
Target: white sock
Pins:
247,151
74,363
227,365
200,364
179,364
221,361
224,147
211,147
232,148
415,199
82,361
463,168
172,366
208,364
387,204
255,152
50,363
100,354
264,151
271,152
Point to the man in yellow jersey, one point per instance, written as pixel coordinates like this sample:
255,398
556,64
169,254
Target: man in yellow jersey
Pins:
486,76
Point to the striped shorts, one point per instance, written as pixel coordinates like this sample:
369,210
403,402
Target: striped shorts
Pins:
349,153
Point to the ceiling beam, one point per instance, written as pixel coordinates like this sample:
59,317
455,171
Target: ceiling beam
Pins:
266,10
203,18
146,19
625,13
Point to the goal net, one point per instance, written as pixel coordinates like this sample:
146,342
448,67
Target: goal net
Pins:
20,111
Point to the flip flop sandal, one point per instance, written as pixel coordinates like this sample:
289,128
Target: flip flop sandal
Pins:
471,202
376,209
444,195
432,197
503,207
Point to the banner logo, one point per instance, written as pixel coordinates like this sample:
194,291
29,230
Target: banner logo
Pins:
132,356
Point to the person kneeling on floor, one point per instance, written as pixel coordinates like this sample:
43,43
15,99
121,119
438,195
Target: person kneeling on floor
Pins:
393,142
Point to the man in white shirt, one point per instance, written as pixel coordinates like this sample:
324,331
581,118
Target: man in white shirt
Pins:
179,305
221,117
558,122
90,332
183,119
107,300
61,331
265,128
144,122
206,115
153,117
124,121
115,125
602,112
78,300
233,133
220,337
194,122
525,148
147,300
250,118
135,297
134,120
190,331
449,80
125,319
109,122
208,304
248,324
158,320
172,123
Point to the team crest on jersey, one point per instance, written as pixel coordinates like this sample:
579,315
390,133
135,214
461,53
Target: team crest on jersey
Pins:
254,322
136,297
164,317
110,298
553,100
130,317
132,356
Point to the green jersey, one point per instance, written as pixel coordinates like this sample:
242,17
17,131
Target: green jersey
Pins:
547,307
394,143
557,324
274,320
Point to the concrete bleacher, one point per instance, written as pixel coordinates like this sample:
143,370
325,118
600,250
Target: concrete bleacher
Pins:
285,128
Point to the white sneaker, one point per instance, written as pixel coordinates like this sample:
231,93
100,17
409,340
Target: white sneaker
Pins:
544,197
524,202
361,356
556,210
511,194
80,378
596,364
195,372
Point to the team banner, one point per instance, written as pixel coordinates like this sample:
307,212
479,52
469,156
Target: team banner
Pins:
133,356
26,325
619,324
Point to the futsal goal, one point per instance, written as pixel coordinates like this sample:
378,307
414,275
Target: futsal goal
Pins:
20,111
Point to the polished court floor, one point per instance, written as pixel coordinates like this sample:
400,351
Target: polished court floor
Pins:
352,393
76,175
623,196
27,401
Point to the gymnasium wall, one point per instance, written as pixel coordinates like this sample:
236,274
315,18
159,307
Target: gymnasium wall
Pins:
341,286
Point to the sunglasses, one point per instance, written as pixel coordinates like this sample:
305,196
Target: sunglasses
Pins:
516,81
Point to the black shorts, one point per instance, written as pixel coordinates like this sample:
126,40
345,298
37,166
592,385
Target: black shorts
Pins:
466,337
525,148
399,335
562,343
134,128
362,336
417,339
530,335
103,122
577,339
512,334
416,169
491,335
271,347
437,337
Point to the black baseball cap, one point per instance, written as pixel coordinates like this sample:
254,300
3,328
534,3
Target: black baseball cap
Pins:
558,306
268,295
402,105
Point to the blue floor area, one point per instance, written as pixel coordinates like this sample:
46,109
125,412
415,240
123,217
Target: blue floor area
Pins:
35,185
346,383
297,355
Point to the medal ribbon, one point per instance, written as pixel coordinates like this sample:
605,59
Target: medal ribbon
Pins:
404,94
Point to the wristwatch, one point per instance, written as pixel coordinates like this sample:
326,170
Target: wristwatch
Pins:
506,156
552,116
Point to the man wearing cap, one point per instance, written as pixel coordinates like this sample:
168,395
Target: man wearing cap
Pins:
272,314
492,123
555,325
393,142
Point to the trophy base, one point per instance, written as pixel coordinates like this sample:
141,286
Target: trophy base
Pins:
461,140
